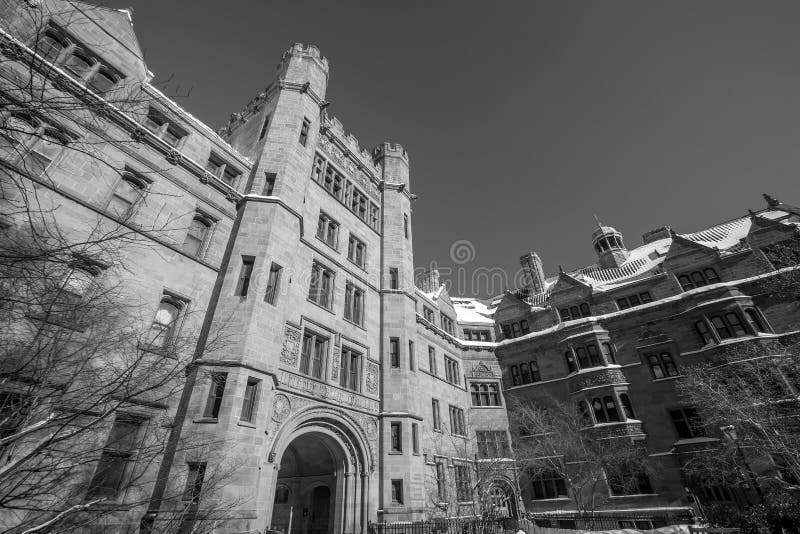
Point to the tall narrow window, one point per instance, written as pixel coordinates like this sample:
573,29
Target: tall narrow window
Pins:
313,355
721,327
250,399
735,323
405,225
328,230
594,356
411,362
215,393
243,285
548,485
415,438
572,365
662,365
627,407
321,288
165,323
354,304
396,437
432,360
116,458
463,484
194,481
397,491
349,372
273,283
269,183
356,251
304,128
516,378
441,480
263,133
608,352
394,352
703,332
687,423
196,236
394,277
755,320
437,418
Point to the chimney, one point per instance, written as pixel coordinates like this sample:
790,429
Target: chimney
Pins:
655,235
534,273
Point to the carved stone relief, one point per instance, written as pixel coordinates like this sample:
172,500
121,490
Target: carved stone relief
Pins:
291,345
372,378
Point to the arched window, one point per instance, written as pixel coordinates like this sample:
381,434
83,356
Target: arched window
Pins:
79,63
711,275
196,236
735,323
535,376
103,81
51,45
685,282
608,352
585,312
583,412
515,380
698,279
571,364
719,325
755,320
594,355
526,373
662,365
128,192
583,359
163,328
626,406
703,332
611,408
599,412
574,312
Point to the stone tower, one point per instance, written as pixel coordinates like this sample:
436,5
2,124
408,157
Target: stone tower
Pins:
534,272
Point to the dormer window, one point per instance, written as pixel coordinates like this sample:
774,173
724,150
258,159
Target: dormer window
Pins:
222,170
64,51
158,123
698,278
575,312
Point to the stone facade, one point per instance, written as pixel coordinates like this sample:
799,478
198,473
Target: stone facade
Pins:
340,358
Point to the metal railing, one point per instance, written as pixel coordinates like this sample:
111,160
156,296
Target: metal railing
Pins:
455,525
611,521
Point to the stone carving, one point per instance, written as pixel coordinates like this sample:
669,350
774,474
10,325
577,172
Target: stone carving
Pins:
337,353
618,431
291,345
352,168
482,371
370,427
281,407
174,157
601,377
319,390
372,378
138,135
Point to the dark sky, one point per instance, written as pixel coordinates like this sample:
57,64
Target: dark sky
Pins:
524,119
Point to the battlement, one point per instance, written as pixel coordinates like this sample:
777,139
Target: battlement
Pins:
389,149
336,128
252,107
301,50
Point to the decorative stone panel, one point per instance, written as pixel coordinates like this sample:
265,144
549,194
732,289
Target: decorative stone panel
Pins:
601,377
618,430
291,345
281,407
325,392
371,378
335,362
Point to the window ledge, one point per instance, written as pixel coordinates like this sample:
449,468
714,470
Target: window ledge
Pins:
360,327
320,306
668,378
634,495
336,250
395,453
247,424
206,420
362,267
554,499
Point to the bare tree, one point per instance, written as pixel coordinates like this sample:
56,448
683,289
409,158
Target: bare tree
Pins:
557,448
88,377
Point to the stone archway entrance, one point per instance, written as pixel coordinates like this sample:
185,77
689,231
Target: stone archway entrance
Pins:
503,499
309,487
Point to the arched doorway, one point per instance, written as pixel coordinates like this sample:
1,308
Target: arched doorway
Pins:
503,499
312,472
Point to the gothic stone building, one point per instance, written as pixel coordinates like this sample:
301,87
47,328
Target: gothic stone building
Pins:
347,391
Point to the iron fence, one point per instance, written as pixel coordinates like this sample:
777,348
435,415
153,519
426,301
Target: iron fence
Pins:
455,525
612,521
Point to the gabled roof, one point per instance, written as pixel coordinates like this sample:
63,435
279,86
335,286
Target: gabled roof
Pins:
116,23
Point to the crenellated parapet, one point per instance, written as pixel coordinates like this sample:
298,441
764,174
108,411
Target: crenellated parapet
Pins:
249,111
389,149
300,50
346,152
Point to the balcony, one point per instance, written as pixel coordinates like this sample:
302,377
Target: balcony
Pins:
600,376
630,428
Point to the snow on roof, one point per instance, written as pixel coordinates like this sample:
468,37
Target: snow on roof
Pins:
473,311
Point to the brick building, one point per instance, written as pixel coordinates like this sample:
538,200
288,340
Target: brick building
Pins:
348,391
